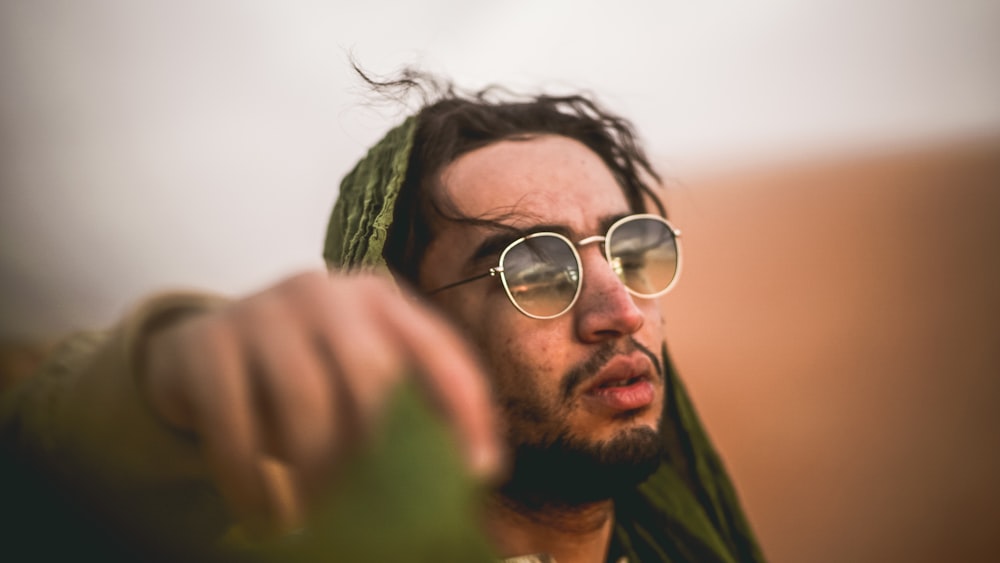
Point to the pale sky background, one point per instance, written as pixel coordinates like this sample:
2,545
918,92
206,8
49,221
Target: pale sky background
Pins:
199,143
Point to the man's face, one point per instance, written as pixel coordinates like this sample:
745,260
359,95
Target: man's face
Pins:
590,380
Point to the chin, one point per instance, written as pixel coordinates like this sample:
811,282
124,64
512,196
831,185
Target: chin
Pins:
570,471
622,427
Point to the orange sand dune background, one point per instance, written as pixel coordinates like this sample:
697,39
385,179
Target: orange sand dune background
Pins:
838,324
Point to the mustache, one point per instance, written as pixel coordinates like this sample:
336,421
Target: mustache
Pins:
581,373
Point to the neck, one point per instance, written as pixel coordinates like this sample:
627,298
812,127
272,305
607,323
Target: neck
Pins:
569,534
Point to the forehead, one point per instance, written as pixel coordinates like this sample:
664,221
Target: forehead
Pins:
546,179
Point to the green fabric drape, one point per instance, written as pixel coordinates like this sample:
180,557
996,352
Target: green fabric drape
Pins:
687,511
363,211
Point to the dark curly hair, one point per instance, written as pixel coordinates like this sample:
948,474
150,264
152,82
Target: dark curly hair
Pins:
451,123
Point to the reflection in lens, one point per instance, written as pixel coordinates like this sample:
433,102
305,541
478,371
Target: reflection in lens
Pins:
541,274
643,252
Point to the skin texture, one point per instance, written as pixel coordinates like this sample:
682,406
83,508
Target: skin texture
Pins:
546,180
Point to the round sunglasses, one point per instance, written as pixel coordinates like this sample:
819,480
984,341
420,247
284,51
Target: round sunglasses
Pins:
542,272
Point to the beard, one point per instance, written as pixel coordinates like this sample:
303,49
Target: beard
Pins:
571,472
552,466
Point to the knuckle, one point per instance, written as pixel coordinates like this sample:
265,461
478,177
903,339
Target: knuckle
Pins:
302,288
310,279
386,362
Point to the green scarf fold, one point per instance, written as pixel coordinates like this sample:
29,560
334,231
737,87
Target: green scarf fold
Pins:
687,511
363,212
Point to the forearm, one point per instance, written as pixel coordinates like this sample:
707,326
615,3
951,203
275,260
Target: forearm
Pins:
83,420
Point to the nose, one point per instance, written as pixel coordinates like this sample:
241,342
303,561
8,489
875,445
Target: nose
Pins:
605,309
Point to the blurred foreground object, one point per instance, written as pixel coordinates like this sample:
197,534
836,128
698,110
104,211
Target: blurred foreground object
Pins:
405,497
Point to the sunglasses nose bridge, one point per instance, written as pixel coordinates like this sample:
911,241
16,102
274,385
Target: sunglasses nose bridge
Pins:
602,239
591,240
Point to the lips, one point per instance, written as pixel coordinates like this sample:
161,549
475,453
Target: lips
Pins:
624,383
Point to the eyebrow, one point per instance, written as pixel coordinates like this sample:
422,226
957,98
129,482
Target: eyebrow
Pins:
493,244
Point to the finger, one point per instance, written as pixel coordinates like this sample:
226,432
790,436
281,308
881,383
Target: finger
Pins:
295,396
453,376
366,359
284,498
222,413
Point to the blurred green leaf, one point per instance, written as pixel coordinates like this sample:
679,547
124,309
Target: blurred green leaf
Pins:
406,497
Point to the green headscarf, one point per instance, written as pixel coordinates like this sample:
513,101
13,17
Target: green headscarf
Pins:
363,211
688,509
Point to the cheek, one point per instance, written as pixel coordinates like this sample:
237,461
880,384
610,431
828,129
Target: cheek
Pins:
528,345
524,360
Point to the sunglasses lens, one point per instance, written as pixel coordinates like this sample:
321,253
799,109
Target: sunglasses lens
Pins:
643,253
542,275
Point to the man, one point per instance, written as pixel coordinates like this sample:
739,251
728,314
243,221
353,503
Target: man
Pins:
527,226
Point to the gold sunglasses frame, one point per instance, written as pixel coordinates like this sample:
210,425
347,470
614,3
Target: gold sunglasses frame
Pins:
499,270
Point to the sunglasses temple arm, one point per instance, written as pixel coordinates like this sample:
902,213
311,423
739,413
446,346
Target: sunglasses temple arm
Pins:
492,272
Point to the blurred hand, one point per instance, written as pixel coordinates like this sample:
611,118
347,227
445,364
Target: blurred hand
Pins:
301,371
